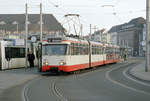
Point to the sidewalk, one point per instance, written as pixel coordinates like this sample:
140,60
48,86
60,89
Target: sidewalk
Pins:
10,78
139,72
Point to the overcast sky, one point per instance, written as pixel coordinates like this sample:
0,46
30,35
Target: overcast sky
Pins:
93,12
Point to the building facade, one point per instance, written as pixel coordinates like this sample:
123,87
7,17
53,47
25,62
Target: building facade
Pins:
101,36
129,35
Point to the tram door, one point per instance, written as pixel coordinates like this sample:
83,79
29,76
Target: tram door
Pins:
39,56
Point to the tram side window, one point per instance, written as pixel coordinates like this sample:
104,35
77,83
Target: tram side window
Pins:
86,50
12,52
8,52
107,50
96,50
74,49
78,49
70,50
82,47
100,50
117,51
93,49
113,50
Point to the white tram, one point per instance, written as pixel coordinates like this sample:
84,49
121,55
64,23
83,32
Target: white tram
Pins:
11,56
69,54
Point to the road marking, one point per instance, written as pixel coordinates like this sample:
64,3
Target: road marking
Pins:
107,75
127,76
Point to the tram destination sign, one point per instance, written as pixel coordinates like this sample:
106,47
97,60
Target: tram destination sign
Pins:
54,39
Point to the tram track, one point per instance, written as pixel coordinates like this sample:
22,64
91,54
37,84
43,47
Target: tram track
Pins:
52,87
75,76
25,89
109,68
78,75
53,84
58,92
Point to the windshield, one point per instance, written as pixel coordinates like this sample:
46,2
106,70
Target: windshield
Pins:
51,49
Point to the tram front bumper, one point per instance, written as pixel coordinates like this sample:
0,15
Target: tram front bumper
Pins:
50,68
54,69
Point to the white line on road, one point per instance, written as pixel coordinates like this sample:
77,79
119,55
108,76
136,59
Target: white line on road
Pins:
107,75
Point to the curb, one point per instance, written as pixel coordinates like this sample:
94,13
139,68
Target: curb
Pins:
141,75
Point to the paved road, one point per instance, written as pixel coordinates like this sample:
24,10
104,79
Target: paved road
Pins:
107,83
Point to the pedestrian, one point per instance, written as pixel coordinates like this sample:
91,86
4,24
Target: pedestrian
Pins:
125,57
31,58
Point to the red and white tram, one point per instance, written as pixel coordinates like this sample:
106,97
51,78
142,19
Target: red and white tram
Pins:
70,54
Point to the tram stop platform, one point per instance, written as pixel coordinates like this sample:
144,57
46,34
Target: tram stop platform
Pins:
13,77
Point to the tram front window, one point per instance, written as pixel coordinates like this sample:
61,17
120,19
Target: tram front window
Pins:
51,49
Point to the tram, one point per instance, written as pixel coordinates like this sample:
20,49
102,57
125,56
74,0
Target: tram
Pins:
68,54
11,56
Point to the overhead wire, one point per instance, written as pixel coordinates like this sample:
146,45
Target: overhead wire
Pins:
115,13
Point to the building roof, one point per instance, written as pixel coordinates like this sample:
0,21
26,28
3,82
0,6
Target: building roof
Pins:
9,22
134,22
138,20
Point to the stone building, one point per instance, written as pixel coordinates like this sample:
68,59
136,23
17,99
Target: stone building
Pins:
129,34
14,24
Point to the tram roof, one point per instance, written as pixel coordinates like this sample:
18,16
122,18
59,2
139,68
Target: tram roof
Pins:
96,43
65,40
68,40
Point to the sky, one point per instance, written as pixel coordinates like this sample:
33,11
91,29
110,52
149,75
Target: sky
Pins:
99,13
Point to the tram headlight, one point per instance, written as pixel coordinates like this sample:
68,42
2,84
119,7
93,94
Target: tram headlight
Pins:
45,63
62,63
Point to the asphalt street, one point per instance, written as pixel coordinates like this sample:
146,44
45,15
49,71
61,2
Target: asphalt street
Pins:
105,83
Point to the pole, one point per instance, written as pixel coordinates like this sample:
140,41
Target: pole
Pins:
90,31
81,30
39,46
17,30
147,67
26,39
95,28
41,22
